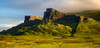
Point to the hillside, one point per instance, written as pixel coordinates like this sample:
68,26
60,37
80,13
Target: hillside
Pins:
55,30
53,22
95,14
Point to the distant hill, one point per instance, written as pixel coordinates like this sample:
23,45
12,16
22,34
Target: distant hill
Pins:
95,14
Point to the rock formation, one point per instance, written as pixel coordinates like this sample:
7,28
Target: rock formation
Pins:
57,16
32,18
88,20
52,14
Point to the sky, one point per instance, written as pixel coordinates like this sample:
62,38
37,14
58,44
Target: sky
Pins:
12,12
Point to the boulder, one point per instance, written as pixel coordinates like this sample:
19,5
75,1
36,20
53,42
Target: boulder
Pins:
88,20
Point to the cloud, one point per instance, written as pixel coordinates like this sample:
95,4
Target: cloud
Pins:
6,26
9,25
73,5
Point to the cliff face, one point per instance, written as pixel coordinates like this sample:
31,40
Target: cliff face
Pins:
57,16
52,14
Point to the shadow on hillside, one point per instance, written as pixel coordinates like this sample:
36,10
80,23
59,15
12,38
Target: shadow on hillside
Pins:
69,20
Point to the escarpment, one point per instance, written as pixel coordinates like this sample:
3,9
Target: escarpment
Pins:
50,16
57,16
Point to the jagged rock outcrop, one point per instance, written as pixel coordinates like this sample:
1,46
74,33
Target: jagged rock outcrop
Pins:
32,18
57,16
52,14
88,20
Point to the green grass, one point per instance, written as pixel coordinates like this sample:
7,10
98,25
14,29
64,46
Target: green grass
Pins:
88,29
49,42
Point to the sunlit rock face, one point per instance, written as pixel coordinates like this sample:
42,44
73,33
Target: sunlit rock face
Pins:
32,18
88,20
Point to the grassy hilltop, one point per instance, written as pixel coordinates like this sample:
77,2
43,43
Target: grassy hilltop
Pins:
95,14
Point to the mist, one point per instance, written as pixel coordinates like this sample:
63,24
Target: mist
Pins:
73,5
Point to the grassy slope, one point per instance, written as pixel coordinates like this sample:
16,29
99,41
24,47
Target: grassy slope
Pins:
91,13
87,36
21,28
89,28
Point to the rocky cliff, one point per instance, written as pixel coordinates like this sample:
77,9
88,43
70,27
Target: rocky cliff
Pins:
57,16
52,14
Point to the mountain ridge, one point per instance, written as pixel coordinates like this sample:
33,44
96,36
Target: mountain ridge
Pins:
52,17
